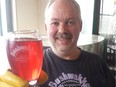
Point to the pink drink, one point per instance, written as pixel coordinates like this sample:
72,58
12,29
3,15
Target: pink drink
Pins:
25,57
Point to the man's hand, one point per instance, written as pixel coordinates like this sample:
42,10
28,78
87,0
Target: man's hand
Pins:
42,78
11,80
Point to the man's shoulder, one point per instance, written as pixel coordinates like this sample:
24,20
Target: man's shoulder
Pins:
90,56
47,50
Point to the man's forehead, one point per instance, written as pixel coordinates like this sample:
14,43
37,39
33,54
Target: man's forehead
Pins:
66,19
62,8
62,3
63,20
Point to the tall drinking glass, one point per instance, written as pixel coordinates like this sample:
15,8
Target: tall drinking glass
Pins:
25,54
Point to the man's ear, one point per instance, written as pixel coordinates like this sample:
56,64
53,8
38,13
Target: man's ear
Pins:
81,26
45,26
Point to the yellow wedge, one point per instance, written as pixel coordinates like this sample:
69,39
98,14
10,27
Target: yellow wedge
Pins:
3,84
13,80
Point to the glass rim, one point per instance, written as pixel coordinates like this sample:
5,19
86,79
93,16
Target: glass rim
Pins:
24,31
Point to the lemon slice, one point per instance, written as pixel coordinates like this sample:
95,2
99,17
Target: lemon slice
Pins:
13,80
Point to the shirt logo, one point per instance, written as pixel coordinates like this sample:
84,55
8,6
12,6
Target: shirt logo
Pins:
69,80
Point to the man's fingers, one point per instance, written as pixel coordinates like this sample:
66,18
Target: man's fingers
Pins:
42,78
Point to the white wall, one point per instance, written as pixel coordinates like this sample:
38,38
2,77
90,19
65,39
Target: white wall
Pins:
30,14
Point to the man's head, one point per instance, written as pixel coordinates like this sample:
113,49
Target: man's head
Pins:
63,24
72,1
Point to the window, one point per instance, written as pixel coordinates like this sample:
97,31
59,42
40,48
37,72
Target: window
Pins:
0,22
108,17
87,15
90,10
5,17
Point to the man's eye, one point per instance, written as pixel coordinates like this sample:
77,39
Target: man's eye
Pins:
55,23
70,22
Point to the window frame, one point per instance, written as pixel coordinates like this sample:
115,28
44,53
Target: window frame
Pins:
5,17
96,17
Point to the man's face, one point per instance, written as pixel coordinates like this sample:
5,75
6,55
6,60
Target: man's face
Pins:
63,26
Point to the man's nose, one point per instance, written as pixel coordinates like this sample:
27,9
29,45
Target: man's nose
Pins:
62,28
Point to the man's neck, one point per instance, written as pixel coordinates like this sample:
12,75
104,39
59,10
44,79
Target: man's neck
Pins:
71,55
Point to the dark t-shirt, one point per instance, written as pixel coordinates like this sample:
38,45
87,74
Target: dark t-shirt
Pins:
87,71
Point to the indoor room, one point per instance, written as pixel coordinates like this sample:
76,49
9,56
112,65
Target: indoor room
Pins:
98,34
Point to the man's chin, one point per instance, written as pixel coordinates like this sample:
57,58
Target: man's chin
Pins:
63,43
63,48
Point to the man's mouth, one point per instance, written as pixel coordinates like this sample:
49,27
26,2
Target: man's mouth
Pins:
63,36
